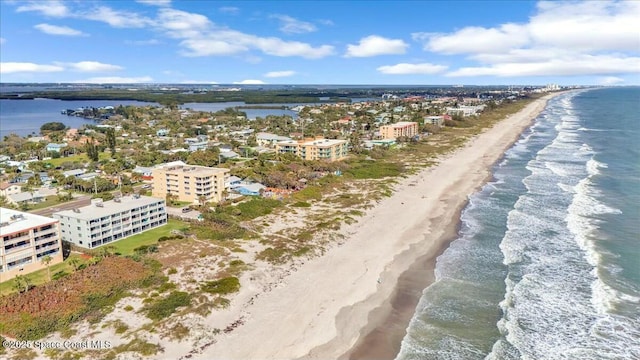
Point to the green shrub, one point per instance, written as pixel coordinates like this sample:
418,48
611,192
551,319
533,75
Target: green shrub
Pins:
166,287
172,271
223,286
59,274
308,193
128,308
168,305
301,204
236,263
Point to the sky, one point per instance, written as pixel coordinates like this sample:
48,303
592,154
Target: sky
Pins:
321,42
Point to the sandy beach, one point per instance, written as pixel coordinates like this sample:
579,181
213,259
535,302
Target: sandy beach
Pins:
356,300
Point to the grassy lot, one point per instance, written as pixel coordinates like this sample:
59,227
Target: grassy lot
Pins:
49,201
41,276
126,246
179,204
82,158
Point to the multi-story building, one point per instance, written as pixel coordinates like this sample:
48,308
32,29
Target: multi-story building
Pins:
25,239
399,129
102,223
190,183
319,149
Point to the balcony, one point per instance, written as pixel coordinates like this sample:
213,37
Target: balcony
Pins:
17,240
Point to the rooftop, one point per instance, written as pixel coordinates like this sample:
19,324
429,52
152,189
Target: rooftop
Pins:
403,123
108,207
17,220
193,169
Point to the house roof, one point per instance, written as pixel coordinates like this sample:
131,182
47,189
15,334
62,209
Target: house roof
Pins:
25,196
6,185
255,187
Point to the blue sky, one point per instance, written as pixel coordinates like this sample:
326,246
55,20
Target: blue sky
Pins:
321,42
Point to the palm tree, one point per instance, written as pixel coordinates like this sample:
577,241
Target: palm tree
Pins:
46,261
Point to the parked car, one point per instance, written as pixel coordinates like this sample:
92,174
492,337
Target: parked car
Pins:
186,210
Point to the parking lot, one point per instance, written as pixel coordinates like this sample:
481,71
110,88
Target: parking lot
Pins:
178,212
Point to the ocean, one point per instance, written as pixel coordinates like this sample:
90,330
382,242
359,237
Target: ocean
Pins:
547,262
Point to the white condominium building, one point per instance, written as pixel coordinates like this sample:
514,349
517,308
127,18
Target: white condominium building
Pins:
25,239
102,223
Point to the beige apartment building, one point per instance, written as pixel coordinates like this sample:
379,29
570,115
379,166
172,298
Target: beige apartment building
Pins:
25,239
399,129
318,149
190,182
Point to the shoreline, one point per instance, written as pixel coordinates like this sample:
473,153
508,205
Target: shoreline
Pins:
365,290
382,337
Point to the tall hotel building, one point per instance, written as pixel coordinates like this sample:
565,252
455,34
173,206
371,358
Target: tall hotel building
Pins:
190,182
25,239
402,128
102,223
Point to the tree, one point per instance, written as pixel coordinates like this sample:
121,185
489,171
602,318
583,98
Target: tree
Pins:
46,261
52,126
206,157
111,140
21,282
75,263
170,198
92,150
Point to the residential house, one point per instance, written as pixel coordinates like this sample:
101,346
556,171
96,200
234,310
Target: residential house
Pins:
25,240
269,139
53,147
195,146
250,189
7,189
74,172
27,197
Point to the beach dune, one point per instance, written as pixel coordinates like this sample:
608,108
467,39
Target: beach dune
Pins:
356,300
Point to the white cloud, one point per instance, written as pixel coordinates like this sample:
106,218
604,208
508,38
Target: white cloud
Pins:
116,80
155,2
54,8
582,64
229,42
376,45
406,69
90,66
116,18
2,40
291,25
181,24
278,74
15,67
232,10
249,82
476,40
587,26
611,80
142,42
59,30
562,38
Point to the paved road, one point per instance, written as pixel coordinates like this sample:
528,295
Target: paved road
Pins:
78,202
